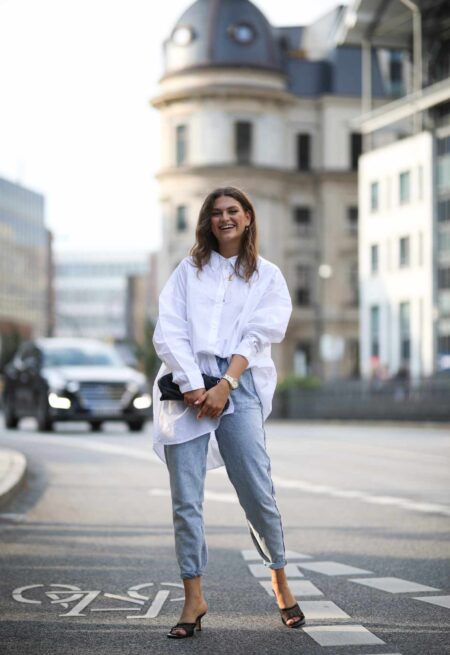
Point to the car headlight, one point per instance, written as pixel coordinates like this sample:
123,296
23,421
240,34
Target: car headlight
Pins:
142,402
58,402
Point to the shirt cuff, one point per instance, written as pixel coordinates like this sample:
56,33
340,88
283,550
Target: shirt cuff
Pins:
247,348
194,381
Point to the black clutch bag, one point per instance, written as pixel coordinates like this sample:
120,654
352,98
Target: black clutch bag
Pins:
171,391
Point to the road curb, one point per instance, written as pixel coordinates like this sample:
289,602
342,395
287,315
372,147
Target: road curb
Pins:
14,474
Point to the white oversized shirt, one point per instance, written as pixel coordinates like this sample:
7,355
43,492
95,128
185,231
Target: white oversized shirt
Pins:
209,313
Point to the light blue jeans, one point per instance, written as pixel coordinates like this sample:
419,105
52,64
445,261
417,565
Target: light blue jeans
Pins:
242,444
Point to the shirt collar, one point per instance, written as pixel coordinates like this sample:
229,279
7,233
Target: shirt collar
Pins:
217,261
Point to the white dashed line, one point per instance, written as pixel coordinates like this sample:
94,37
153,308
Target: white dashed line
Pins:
298,588
209,495
250,555
333,568
319,610
261,571
393,585
342,635
442,601
395,501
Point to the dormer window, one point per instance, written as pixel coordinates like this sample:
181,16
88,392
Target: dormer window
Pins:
183,35
242,33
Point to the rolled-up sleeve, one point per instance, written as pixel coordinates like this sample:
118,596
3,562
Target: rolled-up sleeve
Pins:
171,336
268,322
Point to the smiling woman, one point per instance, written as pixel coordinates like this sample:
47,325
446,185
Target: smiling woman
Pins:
219,313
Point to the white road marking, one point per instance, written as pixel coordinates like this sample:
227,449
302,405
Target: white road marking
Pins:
442,601
333,568
261,571
316,610
13,518
393,585
250,555
280,482
209,495
342,635
298,588
63,441
396,501
155,607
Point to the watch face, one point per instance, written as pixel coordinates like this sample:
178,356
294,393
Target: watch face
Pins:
183,35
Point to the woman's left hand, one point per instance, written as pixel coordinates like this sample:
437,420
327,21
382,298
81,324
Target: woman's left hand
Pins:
213,401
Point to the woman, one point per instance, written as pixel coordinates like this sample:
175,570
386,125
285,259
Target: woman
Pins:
219,313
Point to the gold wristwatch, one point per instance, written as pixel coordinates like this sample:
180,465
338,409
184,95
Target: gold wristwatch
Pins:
231,381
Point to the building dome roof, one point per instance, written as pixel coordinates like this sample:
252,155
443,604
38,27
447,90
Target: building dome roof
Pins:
231,33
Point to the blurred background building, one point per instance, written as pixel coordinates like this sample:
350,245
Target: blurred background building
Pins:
26,304
404,191
103,294
270,110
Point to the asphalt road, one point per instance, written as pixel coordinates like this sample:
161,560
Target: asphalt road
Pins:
87,562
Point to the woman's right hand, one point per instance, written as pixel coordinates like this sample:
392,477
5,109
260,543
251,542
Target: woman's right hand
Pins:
190,397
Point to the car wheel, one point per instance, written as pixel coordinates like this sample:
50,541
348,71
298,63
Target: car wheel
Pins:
11,419
136,426
95,425
45,423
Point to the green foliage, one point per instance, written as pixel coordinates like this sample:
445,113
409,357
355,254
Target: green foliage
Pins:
294,382
10,342
146,354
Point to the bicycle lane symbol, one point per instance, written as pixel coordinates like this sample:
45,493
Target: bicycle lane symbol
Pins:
63,595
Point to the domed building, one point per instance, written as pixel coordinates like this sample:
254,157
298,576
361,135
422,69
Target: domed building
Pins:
269,110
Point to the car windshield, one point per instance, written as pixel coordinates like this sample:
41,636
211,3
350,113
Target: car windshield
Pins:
77,356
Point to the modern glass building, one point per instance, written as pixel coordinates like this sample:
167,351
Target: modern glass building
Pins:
91,292
25,262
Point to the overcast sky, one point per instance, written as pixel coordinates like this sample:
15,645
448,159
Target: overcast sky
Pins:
76,77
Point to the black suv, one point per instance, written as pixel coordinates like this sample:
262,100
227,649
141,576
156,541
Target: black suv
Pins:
62,379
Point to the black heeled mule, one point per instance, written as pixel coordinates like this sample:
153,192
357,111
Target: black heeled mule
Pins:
188,627
291,613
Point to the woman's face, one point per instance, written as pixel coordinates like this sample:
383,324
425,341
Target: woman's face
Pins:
228,222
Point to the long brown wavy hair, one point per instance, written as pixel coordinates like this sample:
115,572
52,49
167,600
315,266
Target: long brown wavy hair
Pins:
206,242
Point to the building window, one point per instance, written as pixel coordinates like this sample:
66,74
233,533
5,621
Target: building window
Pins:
303,289
396,72
374,196
302,219
444,243
374,259
303,152
355,149
181,144
353,283
444,278
302,359
375,331
444,211
405,332
444,344
444,303
404,252
181,218
352,220
243,142
404,187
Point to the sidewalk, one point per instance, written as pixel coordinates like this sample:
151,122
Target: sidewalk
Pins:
13,466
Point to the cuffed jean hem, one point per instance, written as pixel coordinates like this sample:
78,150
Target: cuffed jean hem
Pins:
188,576
276,565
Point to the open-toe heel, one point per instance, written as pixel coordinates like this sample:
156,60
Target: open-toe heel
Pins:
291,613
187,627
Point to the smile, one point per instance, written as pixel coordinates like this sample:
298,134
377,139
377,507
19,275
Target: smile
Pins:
227,227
